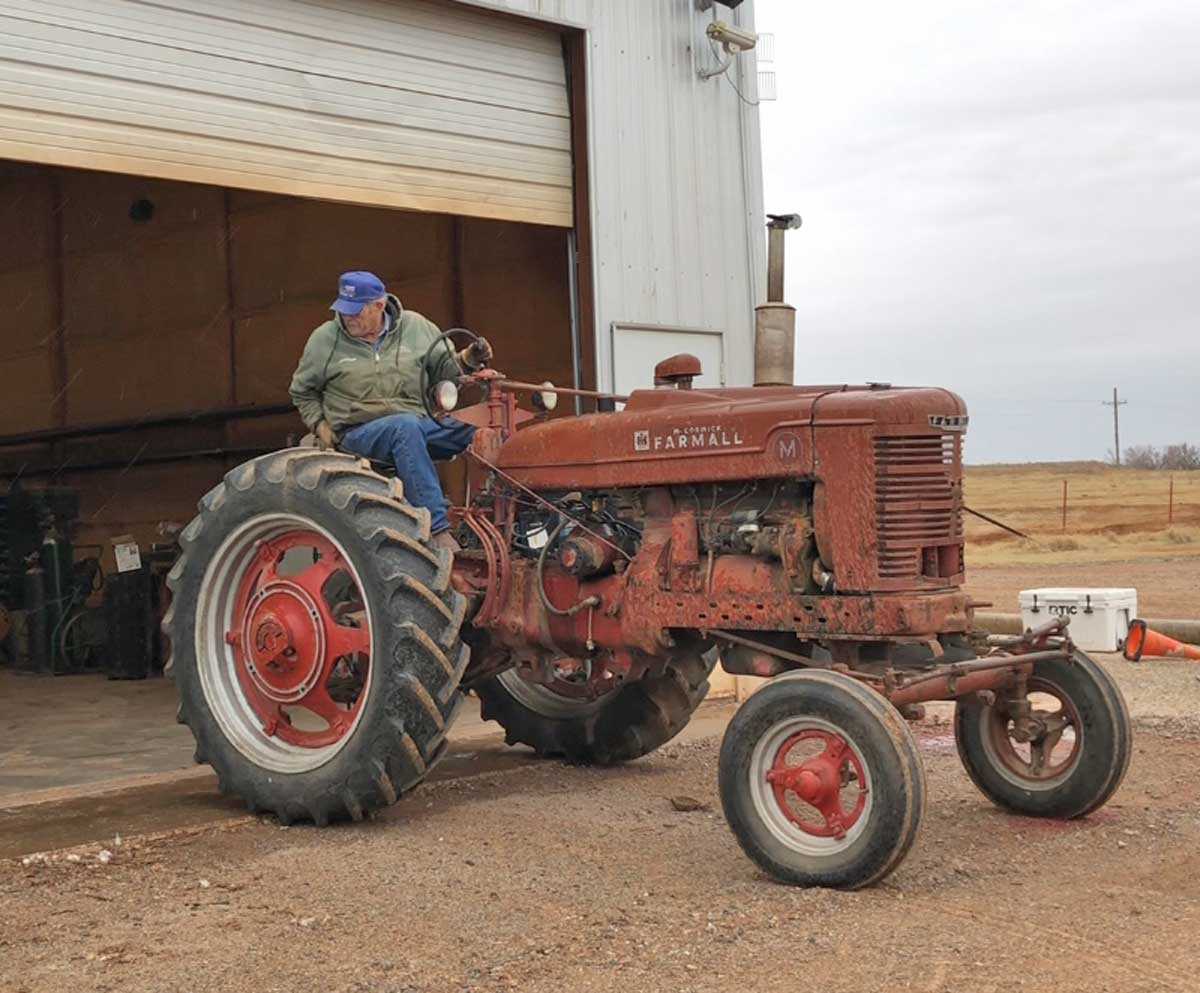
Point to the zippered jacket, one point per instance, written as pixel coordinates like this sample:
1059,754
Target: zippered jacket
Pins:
346,382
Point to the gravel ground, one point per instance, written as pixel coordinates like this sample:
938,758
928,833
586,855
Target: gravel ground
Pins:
558,879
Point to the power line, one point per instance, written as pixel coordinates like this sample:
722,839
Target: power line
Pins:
1116,406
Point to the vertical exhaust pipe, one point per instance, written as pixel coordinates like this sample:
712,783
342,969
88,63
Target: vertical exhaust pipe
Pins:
775,321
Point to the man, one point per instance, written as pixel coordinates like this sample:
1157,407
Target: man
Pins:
358,388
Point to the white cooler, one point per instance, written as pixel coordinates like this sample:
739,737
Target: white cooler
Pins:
1099,617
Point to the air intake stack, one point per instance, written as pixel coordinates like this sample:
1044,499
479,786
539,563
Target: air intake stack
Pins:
775,321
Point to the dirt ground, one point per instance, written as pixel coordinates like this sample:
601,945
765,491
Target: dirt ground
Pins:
1117,534
1166,587
549,879
1111,513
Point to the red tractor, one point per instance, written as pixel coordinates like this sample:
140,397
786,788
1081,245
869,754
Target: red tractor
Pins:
810,534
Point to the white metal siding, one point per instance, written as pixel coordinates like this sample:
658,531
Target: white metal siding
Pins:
577,11
400,103
676,172
678,205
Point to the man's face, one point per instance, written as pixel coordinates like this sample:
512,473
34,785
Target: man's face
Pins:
368,322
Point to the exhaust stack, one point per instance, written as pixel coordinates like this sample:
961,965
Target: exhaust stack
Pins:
775,321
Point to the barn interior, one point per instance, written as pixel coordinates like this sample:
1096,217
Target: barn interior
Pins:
153,327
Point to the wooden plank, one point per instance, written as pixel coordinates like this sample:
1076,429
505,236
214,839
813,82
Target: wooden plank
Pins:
515,293
155,373
28,390
406,104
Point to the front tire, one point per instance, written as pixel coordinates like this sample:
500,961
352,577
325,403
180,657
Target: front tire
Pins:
1067,773
315,637
821,781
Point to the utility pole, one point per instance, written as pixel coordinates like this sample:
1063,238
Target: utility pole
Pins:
1116,406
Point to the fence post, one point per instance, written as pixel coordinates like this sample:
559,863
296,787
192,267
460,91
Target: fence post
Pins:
1064,514
1171,502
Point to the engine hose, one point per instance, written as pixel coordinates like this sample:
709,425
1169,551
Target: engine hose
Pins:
591,601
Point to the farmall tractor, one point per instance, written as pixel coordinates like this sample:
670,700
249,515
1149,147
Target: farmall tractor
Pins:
813,534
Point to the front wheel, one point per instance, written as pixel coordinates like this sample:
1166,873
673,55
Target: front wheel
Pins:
821,781
1071,757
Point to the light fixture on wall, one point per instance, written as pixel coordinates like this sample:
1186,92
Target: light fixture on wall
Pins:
727,39
734,40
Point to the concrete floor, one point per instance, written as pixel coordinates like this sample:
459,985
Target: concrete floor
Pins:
68,731
70,735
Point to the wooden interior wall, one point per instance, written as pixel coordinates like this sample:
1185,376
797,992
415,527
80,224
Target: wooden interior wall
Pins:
208,304
28,287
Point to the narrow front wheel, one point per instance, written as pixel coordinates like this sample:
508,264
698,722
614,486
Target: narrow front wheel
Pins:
821,781
1065,757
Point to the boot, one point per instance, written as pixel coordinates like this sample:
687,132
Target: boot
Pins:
445,540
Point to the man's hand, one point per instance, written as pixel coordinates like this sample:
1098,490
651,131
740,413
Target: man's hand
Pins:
476,355
325,437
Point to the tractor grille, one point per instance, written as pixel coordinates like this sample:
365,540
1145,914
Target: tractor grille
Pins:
918,505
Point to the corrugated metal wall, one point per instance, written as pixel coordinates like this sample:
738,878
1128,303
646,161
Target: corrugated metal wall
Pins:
677,197
414,105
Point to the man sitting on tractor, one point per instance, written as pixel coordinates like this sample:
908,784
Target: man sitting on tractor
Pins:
358,388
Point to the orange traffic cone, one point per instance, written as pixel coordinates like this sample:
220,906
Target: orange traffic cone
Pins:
1142,641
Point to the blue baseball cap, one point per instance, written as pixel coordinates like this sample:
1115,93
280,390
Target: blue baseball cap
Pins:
356,290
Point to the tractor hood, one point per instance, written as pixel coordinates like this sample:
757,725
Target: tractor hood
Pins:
677,436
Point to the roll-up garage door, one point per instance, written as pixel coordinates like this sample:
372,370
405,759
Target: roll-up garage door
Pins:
423,105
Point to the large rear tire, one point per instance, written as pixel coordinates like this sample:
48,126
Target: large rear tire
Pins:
315,637
1067,773
821,781
625,724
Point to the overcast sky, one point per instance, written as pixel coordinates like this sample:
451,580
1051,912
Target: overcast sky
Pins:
998,197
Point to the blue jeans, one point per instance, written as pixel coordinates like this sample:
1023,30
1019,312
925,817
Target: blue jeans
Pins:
412,442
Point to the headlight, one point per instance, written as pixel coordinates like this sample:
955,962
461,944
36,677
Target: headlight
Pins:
547,399
445,396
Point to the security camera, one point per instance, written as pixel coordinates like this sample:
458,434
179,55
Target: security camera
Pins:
732,38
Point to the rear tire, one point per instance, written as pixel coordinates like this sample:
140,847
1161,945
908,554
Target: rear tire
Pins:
409,661
1068,787
623,725
821,781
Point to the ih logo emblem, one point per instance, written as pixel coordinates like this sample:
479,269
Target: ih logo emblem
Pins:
641,441
949,422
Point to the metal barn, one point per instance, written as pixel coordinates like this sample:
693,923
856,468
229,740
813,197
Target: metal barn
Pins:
182,180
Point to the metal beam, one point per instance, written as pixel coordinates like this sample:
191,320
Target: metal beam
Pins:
240,412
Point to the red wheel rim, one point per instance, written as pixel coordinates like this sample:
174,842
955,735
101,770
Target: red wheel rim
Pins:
293,651
824,794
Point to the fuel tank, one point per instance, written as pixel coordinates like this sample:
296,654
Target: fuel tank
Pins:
670,436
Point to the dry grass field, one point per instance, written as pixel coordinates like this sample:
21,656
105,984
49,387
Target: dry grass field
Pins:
1117,533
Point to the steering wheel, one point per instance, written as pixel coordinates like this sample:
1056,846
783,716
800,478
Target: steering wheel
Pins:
425,367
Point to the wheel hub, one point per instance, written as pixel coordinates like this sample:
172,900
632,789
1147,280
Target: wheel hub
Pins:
1030,742
819,781
283,636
